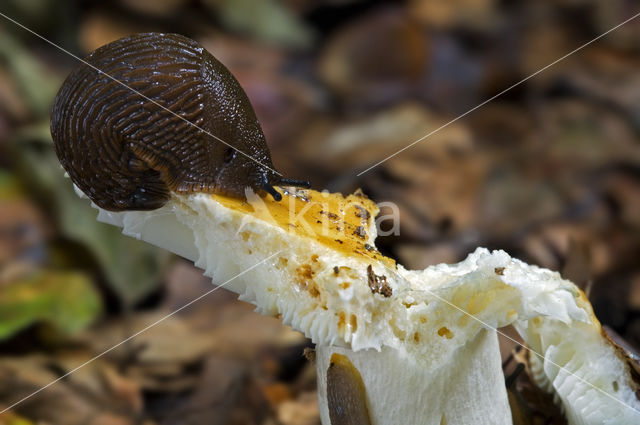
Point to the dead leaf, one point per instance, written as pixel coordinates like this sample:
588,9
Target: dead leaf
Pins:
301,411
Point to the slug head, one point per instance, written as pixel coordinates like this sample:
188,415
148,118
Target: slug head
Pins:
243,159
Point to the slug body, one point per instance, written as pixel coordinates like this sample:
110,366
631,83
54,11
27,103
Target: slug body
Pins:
126,152
346,393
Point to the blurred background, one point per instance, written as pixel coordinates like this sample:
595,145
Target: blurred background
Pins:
549,172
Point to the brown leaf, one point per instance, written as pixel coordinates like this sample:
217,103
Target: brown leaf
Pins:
79,399
301,411
376,58
123,388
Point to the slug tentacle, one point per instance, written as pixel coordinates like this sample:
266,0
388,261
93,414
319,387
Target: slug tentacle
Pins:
272,191
128,143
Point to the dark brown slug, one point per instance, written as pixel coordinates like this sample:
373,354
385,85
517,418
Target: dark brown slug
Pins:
127,153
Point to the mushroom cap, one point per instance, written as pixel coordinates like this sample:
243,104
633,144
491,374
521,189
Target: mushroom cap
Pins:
311,260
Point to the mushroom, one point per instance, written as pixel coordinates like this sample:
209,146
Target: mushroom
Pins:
422,342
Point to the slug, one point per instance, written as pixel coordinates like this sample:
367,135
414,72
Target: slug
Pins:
125,151
346,393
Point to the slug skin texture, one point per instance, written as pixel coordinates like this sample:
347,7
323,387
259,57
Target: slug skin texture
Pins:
164,116
346,395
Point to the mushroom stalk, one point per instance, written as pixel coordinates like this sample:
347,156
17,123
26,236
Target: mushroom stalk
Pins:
466,388
422,342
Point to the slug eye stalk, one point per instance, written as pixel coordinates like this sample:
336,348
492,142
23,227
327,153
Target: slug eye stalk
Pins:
272,191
